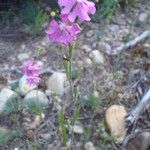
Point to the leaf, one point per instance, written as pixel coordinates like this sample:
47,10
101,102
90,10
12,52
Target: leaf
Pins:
76,113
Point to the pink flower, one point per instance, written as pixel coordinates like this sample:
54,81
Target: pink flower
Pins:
77,8
32,80
63,32
31,68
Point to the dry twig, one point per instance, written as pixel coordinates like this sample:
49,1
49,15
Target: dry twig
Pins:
132,43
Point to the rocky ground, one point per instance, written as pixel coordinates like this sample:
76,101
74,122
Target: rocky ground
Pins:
118,81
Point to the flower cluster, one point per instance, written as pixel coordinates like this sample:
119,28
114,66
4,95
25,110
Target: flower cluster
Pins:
31,69
66,31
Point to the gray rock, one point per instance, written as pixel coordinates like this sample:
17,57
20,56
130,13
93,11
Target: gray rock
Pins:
143,17
23,57
57,83
36,96
86,48
5,95
89,146
77,129
105,47
97,57
90,33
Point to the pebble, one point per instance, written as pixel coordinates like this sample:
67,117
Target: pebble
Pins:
22,57
89,146
36,96
86,48
143,17
5,95
97,57
57,82
114,116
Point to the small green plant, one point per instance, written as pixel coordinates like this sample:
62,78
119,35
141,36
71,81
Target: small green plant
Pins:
13,105
6,136
33,17
105,9
62,128
92,100
35,106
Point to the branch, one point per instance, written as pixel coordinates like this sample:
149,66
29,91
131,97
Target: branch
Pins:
141,107
132,43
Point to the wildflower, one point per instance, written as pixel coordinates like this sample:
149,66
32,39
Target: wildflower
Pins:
63,32
33,80
77,9
31,68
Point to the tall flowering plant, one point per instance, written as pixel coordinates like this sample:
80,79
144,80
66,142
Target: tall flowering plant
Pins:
65,32
67,29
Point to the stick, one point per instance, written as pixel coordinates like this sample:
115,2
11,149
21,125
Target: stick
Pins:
141,107
132,43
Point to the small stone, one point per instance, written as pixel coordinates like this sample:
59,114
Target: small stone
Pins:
46,136
113,28
89,146
140,142
36,96
105,47
57,82
90,33
48,92
5,95
3,130
78,129
24,88
143,17
86,48
23,46
22,57
97,57
87,61
114,116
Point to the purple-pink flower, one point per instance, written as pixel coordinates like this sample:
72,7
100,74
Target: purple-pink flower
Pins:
63,32
77,9
31,69
33,80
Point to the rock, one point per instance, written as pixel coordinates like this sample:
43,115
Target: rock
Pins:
89,146
114,116
90,33
86,48
78,129
97,57
140,142
113,28
57,83
24,88
46,136
48,92
5,95
23,56
3,130
143,17
87,61
105,47
36,96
